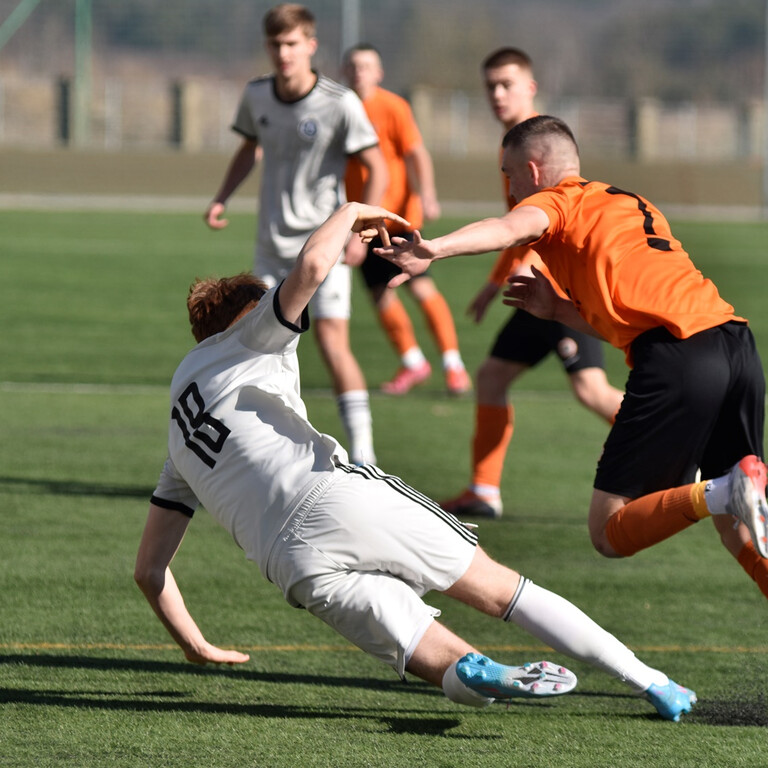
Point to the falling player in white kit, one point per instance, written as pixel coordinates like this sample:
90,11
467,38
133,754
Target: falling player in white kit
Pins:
355,547
304,127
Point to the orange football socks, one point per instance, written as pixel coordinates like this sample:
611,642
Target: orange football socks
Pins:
493,431
440,320
755,566
646,521
398,326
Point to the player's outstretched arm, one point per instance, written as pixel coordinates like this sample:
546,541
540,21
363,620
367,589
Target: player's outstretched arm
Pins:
322,249
518,227
163,534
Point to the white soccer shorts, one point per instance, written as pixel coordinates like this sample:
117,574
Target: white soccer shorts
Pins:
363,555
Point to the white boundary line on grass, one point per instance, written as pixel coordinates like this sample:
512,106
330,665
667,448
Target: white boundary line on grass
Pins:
149,203
61,388
84,388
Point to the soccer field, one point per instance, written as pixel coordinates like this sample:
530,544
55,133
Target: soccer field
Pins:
94,325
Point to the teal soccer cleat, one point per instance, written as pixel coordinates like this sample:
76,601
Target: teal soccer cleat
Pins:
671,700
535,680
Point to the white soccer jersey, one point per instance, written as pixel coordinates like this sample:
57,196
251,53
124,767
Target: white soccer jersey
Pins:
239,442
306,145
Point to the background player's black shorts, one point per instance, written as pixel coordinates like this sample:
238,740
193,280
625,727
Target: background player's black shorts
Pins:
377,271
528,339
690,403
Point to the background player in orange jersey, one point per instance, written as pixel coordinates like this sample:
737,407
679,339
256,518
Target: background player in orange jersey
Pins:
525,340
695,397
412,194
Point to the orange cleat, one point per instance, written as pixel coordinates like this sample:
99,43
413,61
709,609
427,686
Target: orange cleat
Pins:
457,381
747,501
407,378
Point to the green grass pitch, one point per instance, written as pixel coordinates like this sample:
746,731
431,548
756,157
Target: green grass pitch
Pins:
94,324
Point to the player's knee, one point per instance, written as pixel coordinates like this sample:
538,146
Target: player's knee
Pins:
601,542
494,378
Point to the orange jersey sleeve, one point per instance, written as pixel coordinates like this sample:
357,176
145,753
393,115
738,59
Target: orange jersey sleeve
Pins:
398,134
614,255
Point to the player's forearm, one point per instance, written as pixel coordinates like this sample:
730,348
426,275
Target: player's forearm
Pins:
567,314
479,237
375,186
239,168
162,593
421,172
518,227
377,180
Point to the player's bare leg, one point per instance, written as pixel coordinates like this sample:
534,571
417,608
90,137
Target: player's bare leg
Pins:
468,677
332,335
593,390
414,367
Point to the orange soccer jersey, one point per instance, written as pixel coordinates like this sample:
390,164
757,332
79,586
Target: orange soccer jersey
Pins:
398,134
614,255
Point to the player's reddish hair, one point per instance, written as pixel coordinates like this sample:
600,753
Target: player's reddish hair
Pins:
214,303
288,16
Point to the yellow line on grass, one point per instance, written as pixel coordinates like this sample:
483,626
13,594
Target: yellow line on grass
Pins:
312,648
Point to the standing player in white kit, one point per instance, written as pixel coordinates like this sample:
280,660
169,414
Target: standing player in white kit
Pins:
304,127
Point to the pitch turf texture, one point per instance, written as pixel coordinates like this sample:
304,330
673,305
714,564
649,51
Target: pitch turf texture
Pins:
93,325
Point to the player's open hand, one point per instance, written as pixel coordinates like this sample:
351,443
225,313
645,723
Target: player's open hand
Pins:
479,305
210,654
370,222
532,293
213,215
412,257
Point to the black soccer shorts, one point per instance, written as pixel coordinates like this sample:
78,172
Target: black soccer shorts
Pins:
528,339
690,403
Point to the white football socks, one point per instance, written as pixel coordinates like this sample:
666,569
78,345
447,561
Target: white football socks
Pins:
567,629
413,358
717,492
452,359
355,414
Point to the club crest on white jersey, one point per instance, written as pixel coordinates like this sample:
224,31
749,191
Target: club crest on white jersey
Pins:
308,128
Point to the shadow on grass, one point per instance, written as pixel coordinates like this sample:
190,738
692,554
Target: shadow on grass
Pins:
213,670
72,488
418,721
748,708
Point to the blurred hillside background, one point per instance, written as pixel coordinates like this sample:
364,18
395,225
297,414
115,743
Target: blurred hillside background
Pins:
666,96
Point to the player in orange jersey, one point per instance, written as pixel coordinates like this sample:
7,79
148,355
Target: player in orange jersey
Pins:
525,340
412,194
695,397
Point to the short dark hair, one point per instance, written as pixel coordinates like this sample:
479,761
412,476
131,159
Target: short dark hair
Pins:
542,125
286,17
502,57
360,48
214,303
